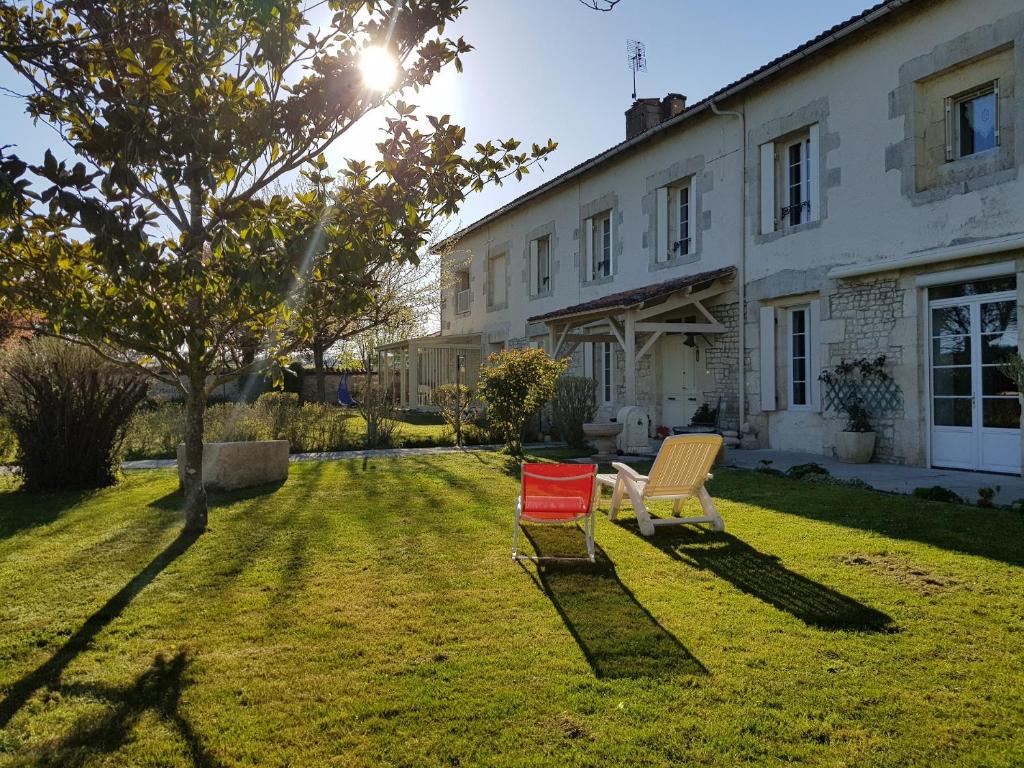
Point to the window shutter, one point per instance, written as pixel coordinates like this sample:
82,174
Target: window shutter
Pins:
813,173
767,328
588,359
767,188
691,211
611,242
662,213
949,128
534,275
587,249
814,353
995,90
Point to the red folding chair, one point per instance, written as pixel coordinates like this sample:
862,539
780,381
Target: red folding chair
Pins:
556,494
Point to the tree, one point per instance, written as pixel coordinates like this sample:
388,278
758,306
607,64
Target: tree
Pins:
600,5
162,248
515,384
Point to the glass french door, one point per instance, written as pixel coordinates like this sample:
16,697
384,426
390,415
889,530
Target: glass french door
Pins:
975,419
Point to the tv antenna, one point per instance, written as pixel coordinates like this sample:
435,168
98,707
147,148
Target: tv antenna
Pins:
636,59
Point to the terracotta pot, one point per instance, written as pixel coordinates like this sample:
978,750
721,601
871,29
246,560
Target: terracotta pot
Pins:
855,447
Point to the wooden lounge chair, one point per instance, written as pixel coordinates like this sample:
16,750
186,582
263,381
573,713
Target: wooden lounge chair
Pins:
557,493
679,472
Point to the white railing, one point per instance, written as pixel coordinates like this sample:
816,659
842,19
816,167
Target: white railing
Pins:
462,302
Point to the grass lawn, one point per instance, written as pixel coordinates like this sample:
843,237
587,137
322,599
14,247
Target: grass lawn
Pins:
368,614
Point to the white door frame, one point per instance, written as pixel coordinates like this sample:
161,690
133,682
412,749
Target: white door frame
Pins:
974,302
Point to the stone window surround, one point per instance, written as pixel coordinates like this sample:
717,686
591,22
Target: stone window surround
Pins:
692,168
544,230
816,111
494,250
977,171
606,202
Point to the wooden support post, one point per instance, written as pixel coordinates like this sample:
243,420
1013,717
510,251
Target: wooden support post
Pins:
629,333
414,377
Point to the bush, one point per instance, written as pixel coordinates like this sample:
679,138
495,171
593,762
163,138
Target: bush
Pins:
456,403
277,410
69,409
801,471
938,493
8,443
574,404
515,384
379,409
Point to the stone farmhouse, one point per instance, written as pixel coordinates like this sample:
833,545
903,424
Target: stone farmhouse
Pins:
859,196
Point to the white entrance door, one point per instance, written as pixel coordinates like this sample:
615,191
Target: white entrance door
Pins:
679,399
975,408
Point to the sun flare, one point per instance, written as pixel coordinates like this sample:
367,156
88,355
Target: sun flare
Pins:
379,68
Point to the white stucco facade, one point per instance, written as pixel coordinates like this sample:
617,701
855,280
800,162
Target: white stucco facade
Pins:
891,201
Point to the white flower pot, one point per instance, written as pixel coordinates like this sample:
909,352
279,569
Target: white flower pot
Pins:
855,447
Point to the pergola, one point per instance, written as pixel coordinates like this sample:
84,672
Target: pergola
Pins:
416,367
636,319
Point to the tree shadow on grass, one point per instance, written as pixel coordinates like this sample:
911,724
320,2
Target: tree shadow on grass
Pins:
766,578
618,636
997,534
157,690
48,674
20,510
173,501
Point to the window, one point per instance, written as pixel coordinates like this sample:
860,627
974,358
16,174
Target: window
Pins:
462,293
789,180
681,245
796,204
799,347
972,121
540,265
605,381
599,246
496,288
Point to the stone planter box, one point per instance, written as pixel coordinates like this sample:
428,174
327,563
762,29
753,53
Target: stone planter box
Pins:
855,447
227,466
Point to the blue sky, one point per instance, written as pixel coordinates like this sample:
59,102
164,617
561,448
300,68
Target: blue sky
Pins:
553,68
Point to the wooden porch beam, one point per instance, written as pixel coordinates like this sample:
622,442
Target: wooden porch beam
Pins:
629,350
581,338
678,302
680,328
648,344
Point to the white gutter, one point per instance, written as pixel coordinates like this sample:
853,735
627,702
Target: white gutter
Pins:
724,95
933,256
741,305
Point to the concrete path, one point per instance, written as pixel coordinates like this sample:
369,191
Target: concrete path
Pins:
888,477
374,453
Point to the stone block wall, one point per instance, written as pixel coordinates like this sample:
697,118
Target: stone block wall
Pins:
719,375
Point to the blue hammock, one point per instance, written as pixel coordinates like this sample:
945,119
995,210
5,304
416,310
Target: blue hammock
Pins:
344,396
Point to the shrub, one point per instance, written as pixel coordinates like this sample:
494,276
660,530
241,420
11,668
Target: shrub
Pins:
277,410
8,443
156,431
515,384
69,409
379,409
704,416
937,493
456,403
800,471
574,404
986,497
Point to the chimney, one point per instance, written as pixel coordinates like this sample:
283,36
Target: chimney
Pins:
647,113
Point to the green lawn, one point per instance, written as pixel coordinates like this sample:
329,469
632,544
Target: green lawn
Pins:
368,614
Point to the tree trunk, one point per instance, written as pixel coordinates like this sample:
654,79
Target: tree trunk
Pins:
195,493
321,374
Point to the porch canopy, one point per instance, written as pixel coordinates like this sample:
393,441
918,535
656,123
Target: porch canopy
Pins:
636,319
414,368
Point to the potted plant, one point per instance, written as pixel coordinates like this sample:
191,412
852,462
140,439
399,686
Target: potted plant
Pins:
848,385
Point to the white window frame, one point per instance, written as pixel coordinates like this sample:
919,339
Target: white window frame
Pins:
791,358
606,381
683,245
540,279
462,295
803,185
595,233
953,123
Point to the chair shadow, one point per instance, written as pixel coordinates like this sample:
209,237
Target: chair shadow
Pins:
157,690
618,636
763,576
48,674
996,534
